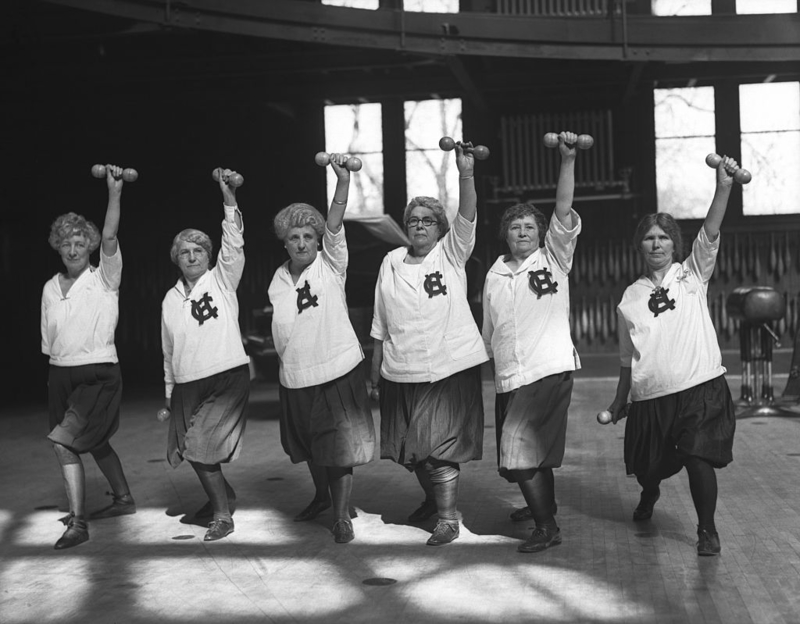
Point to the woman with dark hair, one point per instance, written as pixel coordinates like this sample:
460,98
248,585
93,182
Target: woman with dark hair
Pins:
428,352
681,413
326,418
526,332
80,310
205,365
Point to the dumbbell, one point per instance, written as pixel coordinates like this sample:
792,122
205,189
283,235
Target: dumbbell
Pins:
128,175
742,176
323,159
231,179
585,141
480,152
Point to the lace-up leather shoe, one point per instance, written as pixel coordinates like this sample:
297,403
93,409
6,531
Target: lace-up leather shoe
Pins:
423,512
120,506
343,532
218,529
314,508
445,532
644,510
708,543
540,539
77,533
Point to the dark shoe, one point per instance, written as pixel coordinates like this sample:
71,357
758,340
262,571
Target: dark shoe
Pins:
77,533
708,543
343,532
444,533
65,520
207,511
424,511
644,510
524,514
315,508
218,529
540,539
120,506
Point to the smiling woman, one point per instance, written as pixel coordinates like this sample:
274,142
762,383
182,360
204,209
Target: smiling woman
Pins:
80,308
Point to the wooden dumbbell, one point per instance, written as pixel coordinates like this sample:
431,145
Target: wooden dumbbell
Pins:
323,159
742,176
585,141
231,179
480,152
128,175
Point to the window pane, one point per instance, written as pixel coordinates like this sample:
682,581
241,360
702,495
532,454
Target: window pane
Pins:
681,7
684,123
429,170
766,6
770,122
684,112
356,130
684,183
770,107
431,6
354,4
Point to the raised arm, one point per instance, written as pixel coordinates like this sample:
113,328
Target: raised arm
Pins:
467,197
339,202
111,224
565,191
716,212
229,193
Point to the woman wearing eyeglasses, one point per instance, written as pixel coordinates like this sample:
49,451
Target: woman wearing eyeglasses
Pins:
428,352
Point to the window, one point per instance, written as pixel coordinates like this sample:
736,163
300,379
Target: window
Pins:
770,126
766,6
684,122
430,170
354,4
667,8
356,130
431,6
418,6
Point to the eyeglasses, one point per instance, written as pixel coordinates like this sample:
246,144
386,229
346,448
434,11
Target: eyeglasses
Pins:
426,221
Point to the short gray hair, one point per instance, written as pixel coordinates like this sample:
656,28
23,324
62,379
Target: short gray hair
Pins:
298,215
432,204
191,236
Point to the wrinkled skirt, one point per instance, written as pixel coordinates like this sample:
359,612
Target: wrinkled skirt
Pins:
84,403
531,424
329,424
442,420
208,418
698,422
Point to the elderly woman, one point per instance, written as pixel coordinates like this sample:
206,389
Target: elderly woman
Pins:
682,414
80,309
205,365
428,352
326,419
526,332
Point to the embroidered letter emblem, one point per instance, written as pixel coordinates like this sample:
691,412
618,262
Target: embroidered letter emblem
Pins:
541,282
304,298
433,285
660,301
202,310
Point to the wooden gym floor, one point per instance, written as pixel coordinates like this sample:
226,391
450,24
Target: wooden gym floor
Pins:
154,566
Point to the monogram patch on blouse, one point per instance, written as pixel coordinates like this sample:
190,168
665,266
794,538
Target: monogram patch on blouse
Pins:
433,285
541,282
305,299
659,301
